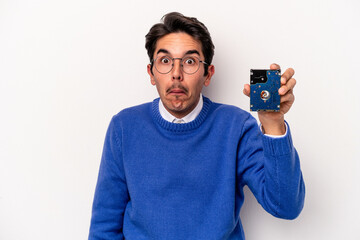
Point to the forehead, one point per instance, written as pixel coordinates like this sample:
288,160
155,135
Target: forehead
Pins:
177,44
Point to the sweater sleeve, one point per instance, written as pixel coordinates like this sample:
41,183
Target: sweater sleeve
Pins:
271,169
111,193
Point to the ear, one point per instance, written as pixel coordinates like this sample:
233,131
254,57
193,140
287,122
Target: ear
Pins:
152,79
211,71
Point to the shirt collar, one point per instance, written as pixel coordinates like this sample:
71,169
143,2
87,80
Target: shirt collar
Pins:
188,118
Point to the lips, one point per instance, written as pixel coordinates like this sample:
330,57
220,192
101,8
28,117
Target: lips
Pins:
177,90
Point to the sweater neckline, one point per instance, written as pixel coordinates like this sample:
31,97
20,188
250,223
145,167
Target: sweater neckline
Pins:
184,127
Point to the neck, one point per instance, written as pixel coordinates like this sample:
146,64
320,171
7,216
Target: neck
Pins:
181,114
191,125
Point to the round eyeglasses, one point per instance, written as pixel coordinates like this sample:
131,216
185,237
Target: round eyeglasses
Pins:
190,65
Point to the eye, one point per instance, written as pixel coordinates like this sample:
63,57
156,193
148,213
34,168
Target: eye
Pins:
165,60
189,61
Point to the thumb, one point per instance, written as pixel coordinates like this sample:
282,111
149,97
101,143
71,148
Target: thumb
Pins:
246,90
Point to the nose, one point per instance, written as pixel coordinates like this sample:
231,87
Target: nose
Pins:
176,72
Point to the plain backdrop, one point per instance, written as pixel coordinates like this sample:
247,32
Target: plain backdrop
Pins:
66,67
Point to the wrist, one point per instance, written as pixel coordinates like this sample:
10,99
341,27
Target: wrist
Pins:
273,127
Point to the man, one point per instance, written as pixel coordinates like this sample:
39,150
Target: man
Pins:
175,168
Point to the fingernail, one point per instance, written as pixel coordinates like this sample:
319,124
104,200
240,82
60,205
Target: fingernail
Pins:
281,90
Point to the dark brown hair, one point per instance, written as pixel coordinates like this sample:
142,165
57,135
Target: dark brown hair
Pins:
176,22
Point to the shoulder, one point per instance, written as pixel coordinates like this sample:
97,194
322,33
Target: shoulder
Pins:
133,114
230,117
228,112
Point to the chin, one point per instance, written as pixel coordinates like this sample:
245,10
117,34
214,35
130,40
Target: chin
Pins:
177,106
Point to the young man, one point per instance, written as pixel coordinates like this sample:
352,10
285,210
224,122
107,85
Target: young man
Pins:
175,168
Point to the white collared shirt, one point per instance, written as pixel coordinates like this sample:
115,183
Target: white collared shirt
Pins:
188,118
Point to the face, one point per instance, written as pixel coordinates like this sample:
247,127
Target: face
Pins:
179,91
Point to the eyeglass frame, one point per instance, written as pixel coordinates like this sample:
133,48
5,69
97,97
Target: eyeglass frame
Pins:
172,65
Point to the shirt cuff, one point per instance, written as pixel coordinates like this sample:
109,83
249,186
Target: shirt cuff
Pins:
275,136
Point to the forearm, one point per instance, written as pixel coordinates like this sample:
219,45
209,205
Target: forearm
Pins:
108,209
284,188
271,168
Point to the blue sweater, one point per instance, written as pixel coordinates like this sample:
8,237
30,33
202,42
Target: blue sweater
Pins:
161,180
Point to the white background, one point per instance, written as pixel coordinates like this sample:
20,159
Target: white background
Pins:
67,66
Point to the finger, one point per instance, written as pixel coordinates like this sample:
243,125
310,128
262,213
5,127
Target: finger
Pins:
287,75
274,66
246,90
289,86
289,97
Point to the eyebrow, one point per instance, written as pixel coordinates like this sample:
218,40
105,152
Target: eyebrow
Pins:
161,50
192,52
